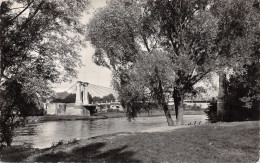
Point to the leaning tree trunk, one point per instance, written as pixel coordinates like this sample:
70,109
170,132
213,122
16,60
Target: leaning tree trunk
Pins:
164,104
168,115
162,101
178,105
221,97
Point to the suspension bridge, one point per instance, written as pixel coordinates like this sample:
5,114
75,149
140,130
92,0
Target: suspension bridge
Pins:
83,90
83,105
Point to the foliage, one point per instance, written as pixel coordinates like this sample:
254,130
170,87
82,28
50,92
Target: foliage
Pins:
211,112
242,94
71,98
112,32
107,98
238,37
186,39
149,80
114,111
39,45
180,32
15,107
242,100
238,34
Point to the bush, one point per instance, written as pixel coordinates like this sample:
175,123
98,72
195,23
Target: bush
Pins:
242,99
211,112
15,106
114,111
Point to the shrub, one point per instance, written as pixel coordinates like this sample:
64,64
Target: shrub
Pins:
242,97
211,112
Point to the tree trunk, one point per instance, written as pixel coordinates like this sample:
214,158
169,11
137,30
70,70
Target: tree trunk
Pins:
178,105
168,115
1,36
180,113
162,100
221,97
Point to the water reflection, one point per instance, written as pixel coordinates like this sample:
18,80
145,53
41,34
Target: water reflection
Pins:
42,135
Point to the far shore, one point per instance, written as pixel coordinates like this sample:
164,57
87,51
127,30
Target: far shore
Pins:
45,118
218,142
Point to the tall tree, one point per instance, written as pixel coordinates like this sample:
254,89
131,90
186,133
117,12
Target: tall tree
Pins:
237,39
39,45
182,29
152,78
185,29
114,32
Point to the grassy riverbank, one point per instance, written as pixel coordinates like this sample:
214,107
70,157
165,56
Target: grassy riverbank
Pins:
223,142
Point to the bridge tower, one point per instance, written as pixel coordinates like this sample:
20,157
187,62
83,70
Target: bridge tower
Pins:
82,94
85,94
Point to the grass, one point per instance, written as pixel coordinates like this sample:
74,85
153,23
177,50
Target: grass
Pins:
16,153
223,142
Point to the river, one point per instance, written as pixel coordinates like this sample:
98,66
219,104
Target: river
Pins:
43,135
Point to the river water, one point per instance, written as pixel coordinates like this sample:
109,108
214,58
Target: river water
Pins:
43,135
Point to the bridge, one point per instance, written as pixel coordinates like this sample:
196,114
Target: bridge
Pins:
83,106
84,89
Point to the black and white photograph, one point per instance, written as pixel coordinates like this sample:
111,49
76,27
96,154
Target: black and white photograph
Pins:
140,81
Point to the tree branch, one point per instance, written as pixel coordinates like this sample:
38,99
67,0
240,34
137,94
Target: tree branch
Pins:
145,43
34,13
19,13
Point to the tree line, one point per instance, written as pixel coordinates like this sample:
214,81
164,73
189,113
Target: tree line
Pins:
159,49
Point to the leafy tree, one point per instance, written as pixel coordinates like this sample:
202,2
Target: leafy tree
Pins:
15,107
150,80
243,100
242,96
39,45
108,98
113,32
237,39
211,112
186,31
71,98
120,24
183,30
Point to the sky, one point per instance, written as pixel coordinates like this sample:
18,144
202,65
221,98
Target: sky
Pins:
90,72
